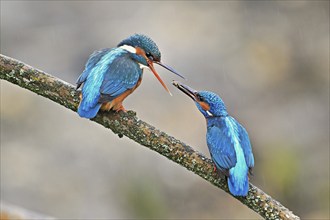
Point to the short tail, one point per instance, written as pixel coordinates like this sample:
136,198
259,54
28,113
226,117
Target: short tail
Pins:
238,187
88,112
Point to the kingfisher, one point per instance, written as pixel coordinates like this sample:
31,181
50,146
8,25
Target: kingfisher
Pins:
227,140
111,74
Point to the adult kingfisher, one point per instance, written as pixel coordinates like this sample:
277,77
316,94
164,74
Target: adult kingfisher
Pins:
112,74
227,140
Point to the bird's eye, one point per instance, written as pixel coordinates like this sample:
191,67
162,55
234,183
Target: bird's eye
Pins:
200,98
150,57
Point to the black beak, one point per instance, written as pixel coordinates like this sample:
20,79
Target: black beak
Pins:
186,89
169,68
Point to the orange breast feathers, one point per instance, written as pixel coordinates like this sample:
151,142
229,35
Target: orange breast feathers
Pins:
117,103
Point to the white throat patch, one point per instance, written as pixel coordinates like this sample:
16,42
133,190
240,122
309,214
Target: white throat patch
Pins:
133,50
128,48
209,113
143,66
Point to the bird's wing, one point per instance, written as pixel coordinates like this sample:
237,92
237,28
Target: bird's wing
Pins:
122,74
221,148
104,70
94,58
246,146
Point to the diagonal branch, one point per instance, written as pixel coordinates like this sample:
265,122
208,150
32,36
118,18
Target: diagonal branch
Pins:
139,131
9,211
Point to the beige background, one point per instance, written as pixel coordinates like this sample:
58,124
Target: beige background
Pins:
269,61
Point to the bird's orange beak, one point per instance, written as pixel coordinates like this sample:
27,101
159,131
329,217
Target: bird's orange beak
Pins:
152,68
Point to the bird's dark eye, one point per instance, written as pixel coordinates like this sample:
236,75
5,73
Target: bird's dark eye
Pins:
200,98
150,57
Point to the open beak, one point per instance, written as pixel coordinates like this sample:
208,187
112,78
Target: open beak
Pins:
186,90
151,66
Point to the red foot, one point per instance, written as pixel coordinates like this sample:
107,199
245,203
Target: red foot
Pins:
121,108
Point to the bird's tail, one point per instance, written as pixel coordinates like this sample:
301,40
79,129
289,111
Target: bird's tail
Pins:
238,186
88,112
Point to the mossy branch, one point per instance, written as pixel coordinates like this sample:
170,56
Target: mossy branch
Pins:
129,125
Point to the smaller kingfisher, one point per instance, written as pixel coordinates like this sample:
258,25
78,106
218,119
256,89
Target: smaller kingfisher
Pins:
111,75
227,140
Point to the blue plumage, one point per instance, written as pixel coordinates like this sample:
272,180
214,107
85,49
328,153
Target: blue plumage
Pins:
105,75
144,42
227,140
110,75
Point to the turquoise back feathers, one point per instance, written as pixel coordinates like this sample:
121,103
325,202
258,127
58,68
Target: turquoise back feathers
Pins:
227,140
111,75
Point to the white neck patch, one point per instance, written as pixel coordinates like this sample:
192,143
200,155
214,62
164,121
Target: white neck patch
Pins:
128,48
133,50
143,66
209,113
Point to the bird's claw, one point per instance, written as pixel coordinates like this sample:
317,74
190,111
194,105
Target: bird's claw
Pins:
121,108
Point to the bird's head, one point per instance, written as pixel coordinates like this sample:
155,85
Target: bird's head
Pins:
145,51
208,103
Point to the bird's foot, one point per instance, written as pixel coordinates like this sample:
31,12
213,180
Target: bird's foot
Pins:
106,106
222,173
214,168
121,108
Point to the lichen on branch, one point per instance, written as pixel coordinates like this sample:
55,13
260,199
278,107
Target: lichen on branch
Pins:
127,124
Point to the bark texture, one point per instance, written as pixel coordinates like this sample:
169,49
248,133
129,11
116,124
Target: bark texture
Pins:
127,124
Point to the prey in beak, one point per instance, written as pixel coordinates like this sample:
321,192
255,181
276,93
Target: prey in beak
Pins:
194,95
151,61
152,68
186,90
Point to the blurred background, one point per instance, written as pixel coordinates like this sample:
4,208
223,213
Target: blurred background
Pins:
269,61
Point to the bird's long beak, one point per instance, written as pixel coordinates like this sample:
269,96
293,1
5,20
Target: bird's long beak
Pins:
186,89
151,66
169,68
